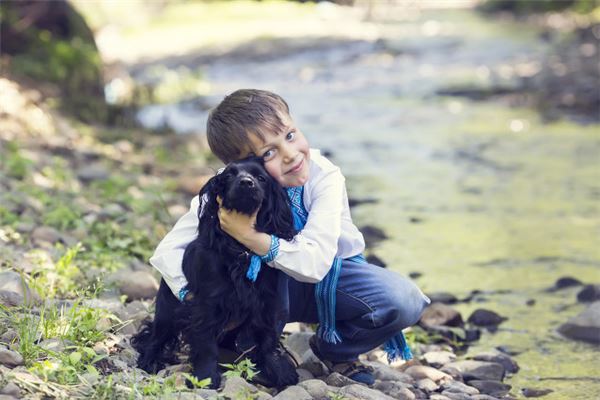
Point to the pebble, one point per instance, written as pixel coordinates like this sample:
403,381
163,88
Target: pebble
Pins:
454,386
531,392
426,385
10,358
493,388
315,387
363,393
338,380
483,317
138,285
589,293
397,390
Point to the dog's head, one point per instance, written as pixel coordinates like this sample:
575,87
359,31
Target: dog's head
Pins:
245,186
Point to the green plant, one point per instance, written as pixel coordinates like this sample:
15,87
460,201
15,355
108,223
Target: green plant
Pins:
63,278
335,396
15,165
66,368
245,369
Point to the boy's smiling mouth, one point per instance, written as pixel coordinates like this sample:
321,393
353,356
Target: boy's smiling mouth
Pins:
297,168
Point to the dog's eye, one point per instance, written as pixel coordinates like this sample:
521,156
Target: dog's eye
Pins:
261,178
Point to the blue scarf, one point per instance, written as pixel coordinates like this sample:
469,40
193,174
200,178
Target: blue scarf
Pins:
325,289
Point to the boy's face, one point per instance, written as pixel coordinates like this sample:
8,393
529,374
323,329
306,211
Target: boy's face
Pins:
286,154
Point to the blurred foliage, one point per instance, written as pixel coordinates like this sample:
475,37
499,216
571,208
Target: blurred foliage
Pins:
51,42
538,6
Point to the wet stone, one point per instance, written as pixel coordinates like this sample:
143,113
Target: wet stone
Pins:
338,380
387,373
483,317
298,342
508,363
363,393
442,297
418,372
585,326
304,375
493,388
456,395
454,386
11,389
565,282
426,385
531,392
480,370
589,293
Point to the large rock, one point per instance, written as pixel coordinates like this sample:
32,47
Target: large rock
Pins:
298,342
316,388
363,393
508,363
437,359
397,390
483,317
293,393
585,326
481,370
440,314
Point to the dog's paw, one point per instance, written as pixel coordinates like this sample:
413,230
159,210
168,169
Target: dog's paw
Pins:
149,364
278,371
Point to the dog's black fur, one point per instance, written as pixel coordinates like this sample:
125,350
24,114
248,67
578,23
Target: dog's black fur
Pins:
215,266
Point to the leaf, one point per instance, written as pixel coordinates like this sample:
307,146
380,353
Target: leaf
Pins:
75,357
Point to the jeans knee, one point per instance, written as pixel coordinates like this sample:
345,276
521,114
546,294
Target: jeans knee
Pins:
405,309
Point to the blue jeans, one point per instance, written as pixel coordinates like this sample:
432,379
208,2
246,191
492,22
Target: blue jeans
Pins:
372,305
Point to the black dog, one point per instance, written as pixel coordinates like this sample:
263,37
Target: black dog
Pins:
224,300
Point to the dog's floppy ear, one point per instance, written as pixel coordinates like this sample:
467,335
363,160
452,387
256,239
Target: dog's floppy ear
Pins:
275,215
208,195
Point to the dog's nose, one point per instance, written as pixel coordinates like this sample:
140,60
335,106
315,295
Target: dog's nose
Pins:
246,182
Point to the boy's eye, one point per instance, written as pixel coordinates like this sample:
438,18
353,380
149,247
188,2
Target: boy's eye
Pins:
290,135
267,154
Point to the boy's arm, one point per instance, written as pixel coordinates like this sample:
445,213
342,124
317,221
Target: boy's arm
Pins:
309,256
168,256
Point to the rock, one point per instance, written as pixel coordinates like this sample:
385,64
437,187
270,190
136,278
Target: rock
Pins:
298,342
10,358
338,380
373,259
589,293
564,282
585,326
361,392
415,274
11,282
442,297
311,363
10,299
426,385
437,314
55,345
93,172
234,385
482,317
315,387
304,375
453,372
483,397
493,388
456,395
11,389
459,387
386,373
508,363
437,359
138,285
481,370
397,390
293,393
45,234
418,372
437,396
531,392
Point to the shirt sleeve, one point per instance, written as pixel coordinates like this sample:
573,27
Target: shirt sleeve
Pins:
308,257
168,256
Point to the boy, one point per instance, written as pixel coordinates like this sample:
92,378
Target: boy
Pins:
373,304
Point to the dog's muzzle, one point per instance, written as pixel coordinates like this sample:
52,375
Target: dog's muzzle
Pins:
244,195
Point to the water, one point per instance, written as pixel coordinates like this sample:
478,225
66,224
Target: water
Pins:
473,194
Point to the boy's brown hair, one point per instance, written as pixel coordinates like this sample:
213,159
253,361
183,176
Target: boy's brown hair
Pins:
243,112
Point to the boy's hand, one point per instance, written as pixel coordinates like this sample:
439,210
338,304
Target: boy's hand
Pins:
237,225
241,227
